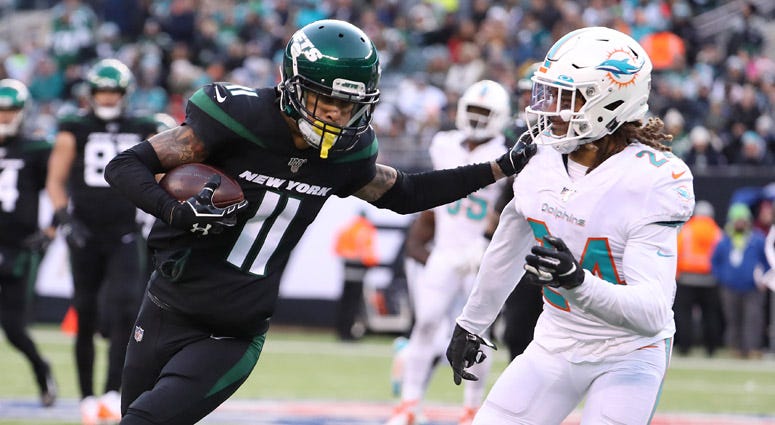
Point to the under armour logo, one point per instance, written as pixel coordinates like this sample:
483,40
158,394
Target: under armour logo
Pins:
203,230
295,164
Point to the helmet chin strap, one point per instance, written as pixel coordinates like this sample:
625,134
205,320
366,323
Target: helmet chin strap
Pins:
316,137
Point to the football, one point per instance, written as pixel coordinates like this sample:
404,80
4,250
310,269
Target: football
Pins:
187,180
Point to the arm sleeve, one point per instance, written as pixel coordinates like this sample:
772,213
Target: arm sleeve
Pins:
421,191
644,303
132,172
500,271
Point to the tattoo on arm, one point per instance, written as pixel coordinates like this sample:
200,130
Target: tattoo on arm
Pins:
177,146
381,183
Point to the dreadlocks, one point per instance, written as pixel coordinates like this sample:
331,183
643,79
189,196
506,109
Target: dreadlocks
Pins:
650,134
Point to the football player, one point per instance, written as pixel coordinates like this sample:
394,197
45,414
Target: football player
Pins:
22,178
594,221
203,323
458,228
100,228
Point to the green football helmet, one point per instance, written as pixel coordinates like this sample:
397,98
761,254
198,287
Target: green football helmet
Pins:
13,98
109,75
330,59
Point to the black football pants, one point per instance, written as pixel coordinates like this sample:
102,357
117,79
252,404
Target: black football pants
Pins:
108,280
177,372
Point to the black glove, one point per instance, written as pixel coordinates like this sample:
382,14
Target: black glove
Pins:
198,214
463,352
513,161
553,265
37,242
75,232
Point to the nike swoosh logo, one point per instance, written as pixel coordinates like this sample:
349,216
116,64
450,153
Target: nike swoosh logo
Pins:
677,175
220,338
662,254
220,98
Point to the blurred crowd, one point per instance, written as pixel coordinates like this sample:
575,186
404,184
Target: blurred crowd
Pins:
716,92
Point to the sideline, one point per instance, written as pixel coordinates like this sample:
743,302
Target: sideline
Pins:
322,412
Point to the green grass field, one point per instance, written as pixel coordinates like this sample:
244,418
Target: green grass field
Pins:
300,364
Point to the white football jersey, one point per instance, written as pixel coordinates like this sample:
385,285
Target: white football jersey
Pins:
464,219
620,221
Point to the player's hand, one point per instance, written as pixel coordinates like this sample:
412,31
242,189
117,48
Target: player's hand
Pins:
75,232
37,242
198,215
464,351
513,161
553,264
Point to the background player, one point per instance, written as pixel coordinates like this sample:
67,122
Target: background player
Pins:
458,228
603,198
203,322
101,229
22,177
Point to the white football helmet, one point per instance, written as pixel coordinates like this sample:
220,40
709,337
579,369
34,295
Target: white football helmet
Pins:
608,69
483,110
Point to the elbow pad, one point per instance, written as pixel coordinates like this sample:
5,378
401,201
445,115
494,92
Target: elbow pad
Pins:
421,191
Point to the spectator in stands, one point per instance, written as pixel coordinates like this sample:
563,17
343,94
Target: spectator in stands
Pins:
73,29
703,151
735,260
696,285
753,150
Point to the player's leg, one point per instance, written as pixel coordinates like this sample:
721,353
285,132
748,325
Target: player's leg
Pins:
123,292
626,390
536,388
13,310
434,293
86,265
177,373
119,303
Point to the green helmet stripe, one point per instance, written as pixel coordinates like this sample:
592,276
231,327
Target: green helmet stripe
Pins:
201,100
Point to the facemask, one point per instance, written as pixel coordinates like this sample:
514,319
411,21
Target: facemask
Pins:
316,138
107,113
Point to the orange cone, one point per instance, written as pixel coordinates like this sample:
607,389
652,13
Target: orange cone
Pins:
70,322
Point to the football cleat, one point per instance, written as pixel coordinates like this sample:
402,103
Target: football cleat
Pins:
404,414
48,393
109,410
468,416
89,408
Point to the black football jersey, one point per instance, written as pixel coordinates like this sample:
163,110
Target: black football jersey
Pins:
231,279
99,206
22,176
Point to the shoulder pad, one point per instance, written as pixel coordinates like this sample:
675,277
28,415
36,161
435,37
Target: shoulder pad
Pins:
670,199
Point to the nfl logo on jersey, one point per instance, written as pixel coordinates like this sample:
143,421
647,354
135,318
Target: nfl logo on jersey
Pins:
295,164
139,333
